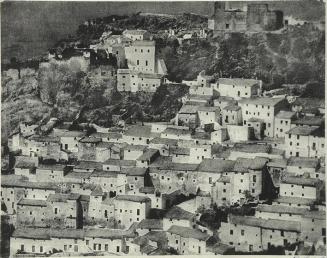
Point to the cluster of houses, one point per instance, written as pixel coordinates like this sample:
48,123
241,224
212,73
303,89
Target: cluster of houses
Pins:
140,189
139,68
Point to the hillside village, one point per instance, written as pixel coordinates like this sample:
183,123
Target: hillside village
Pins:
236,170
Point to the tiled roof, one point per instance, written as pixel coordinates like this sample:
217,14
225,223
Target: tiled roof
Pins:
309,103
145,43
135,147
150,224
32,233
280,209
282,163
232,107
39,138
90,140
167,141
263,101
244,164
188,109
238,81
78,175
67,133
134,171
147,189
178,213
109,233
25,164
59,197
216,165
303,162
180,151
300,181
285,225
16,181
133,198
176,131
148,154
294,200
32,202
208,109
88,165
188,233
303,130
252,148
139,131
120,162
318,214
309,120
53,167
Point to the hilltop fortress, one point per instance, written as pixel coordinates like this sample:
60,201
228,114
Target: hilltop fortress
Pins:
237,16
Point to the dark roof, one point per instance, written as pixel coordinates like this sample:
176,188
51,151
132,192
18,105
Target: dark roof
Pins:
147,189
216,165
159,140
309,120
294,200
244,164
280,209
120,162
188,233
90,140
134,171
313,182
178,213
139,131
303,130
32,202
25,164
176,131
309,103
14,181
277,163
54,167
109,233
133,198
263,101
303,162
285,225
59,197
148,154
150,224
232,107
252,148
88,165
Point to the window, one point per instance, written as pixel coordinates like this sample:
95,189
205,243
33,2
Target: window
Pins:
138,62
269,124
117,249
210,180
242,232
231,232
138,211
176,241
298,137
94,246
99,247
22,247
146,62
87,242
56,210
227,26
33,248
241,180
106,247
254,178
41,249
